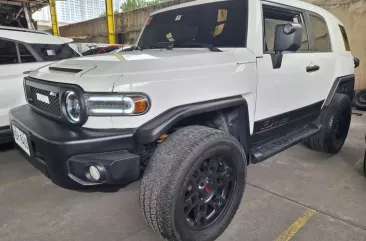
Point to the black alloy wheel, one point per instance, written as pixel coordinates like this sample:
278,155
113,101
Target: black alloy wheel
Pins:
193,184
208,192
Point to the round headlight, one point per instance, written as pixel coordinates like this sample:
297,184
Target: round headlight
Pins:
129,105
72,105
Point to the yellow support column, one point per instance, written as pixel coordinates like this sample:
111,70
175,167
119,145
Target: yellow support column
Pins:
55,28
110,21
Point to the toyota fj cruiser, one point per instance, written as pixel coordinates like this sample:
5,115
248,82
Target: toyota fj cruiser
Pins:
210,87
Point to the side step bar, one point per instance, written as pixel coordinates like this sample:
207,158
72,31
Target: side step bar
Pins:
267,150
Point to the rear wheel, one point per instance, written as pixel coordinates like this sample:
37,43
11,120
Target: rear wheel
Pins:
193,184
335,121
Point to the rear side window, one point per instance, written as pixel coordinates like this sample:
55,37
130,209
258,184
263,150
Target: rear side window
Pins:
8,52
345,38
25,55
276,16
321,34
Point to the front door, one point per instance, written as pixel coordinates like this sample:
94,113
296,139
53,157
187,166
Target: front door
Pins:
296,90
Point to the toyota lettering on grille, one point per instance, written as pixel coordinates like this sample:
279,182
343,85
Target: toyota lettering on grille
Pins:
43,98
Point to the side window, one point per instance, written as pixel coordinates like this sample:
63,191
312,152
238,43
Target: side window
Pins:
8,52
345,38
321,34
275,16
25,55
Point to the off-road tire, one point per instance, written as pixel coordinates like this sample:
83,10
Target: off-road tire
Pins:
359,100
168,171
331,119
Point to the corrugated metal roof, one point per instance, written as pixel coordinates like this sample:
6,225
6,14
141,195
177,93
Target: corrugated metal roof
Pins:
34,4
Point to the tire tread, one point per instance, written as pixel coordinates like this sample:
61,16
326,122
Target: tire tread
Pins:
320,142
158,181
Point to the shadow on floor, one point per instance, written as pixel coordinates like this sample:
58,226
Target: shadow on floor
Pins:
6,146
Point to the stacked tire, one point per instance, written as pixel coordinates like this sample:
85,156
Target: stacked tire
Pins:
359,100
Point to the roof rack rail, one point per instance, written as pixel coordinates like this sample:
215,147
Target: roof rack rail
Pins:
23,30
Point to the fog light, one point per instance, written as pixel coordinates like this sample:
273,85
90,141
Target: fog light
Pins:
94,173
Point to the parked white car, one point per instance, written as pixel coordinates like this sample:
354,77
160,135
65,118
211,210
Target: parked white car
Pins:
22,50
191,105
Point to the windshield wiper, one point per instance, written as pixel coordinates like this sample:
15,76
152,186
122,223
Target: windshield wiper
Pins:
166,45
136,47
208,46
132,48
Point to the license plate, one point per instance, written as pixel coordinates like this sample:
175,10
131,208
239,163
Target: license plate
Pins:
21,139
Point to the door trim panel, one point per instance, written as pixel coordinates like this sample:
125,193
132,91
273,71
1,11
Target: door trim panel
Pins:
273,127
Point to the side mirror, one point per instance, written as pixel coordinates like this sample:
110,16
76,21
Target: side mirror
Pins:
288,37
356,62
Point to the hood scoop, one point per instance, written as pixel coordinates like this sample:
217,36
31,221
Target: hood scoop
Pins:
71,69
67,70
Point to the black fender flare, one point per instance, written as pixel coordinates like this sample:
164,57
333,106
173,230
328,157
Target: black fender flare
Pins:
152,130
342,85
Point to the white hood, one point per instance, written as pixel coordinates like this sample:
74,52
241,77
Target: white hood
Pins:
100,72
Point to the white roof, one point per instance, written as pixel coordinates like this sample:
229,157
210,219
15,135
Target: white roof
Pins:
31,37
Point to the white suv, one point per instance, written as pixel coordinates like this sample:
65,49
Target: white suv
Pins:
22,50
186,109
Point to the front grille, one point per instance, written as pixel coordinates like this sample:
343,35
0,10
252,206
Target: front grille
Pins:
53,108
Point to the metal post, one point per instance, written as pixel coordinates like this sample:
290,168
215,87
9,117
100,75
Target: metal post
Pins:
110,21
28,16
55,28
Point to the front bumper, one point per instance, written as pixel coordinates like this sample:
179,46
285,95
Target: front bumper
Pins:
65,153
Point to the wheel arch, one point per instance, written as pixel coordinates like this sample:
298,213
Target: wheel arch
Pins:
231,112
342,85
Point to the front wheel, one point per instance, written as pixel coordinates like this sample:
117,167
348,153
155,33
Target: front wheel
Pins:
193,184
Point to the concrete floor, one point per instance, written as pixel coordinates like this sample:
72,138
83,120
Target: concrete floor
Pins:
299,195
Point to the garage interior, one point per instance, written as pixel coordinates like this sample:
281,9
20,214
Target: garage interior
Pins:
15,13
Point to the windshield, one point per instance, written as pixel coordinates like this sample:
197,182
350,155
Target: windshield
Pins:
219,24
54,52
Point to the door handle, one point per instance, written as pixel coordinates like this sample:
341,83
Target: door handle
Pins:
312,68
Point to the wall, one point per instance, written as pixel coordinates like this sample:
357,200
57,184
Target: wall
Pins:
351,12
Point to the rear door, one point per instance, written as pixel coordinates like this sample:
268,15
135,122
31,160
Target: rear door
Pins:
293,94
322,51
